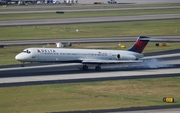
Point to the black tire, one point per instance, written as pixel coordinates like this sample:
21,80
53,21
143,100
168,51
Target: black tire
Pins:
98,68
85,67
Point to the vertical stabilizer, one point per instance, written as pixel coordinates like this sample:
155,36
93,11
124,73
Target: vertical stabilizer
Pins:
140,44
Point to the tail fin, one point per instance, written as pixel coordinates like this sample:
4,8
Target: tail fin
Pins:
140,44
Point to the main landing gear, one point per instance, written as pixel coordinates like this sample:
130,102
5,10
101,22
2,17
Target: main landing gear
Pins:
97,68
85,67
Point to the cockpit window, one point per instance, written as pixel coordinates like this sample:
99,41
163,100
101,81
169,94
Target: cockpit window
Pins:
26,51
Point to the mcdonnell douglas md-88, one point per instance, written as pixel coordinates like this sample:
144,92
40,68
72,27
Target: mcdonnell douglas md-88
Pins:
85,56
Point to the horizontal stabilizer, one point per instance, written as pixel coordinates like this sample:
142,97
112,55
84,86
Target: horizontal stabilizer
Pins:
153,39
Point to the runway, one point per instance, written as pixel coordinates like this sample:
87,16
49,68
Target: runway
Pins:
151,109
85,2
134,1
84,10
88,20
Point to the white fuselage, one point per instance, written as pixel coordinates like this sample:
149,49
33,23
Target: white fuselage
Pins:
73,55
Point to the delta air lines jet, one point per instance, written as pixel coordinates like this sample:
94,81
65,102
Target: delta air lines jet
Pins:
85,56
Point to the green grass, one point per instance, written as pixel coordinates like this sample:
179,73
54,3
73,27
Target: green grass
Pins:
85,14
92,95
111,29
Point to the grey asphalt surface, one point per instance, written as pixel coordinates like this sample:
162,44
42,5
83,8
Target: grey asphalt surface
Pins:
89,20
87,10
132,1
151,109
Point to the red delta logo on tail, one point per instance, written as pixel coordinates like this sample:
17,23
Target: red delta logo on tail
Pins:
140,44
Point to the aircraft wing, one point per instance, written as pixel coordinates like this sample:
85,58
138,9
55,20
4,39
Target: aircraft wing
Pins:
99,61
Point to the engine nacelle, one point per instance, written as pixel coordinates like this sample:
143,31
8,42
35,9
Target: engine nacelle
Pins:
126,57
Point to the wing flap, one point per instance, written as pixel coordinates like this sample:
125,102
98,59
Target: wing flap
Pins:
98,61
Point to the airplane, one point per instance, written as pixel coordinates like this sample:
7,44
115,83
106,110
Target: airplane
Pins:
85,56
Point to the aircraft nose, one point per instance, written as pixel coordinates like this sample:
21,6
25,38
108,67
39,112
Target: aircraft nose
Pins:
19,57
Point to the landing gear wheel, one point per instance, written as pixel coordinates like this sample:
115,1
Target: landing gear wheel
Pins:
85,67
98,68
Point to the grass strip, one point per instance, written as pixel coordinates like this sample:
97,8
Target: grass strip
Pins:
111,29
88,96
